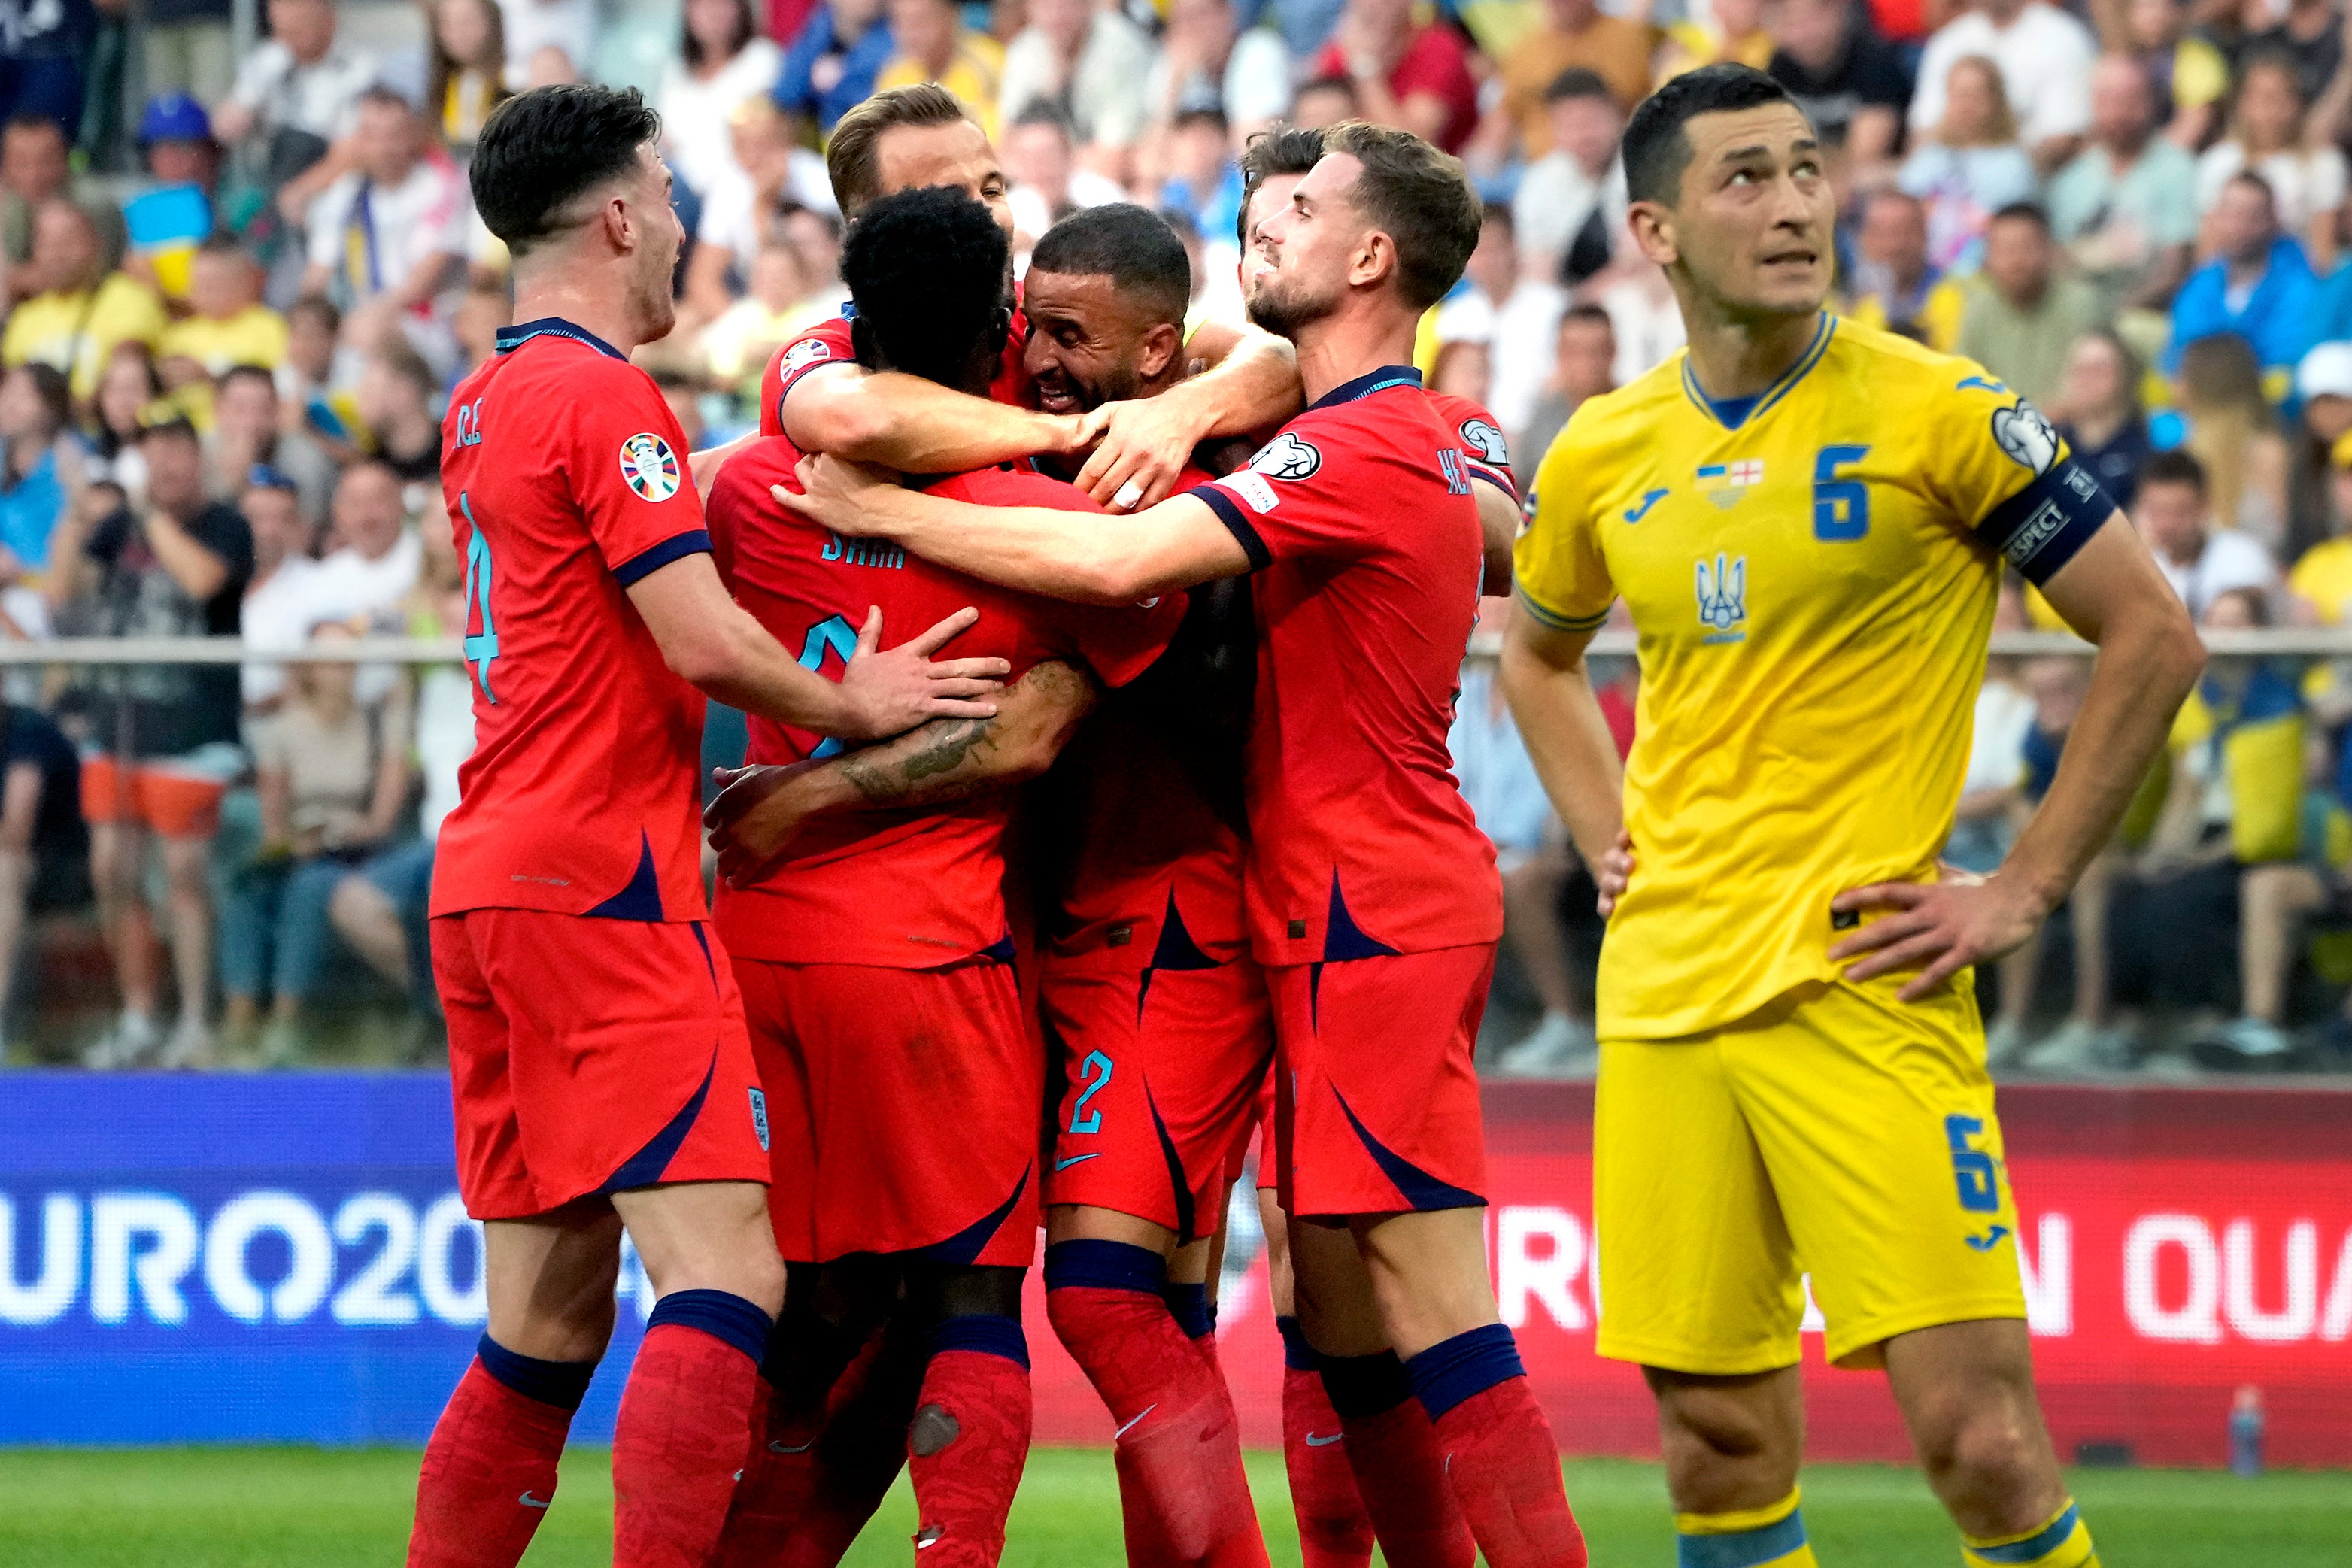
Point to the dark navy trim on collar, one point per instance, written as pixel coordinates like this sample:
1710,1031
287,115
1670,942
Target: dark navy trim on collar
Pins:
1365,385
521,332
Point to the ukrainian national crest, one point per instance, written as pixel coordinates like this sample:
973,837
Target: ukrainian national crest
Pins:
1286,456
1722,596
650,466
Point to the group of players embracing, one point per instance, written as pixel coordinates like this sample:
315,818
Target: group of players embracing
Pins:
1246,904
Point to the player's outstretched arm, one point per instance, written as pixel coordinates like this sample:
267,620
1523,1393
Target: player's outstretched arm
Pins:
712,641
1550,693
2149,657
915,425
1064,555
761,810
1251,384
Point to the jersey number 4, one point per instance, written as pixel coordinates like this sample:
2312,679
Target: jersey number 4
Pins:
479,650
1840,506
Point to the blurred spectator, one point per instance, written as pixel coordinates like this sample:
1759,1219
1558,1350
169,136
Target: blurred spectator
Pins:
173,215
548,41
1048,185
1465,369
376,556
2309,38
1570,210
164,736
34,171
1305,25
118,413
1207,61
276,616
1644,315
1323,102
2022,316
249,433
41,471
474,324
2087,1039
722,63
1991,804
1584,358
831,66
2258,286
2321,582
1571,34
82,310
817,237
334,775
1416,75
44,843
313,385
1525,312
2189,77
1968,166
2266,137
1895,286
682,389
770,170
2044,56
933,44
2098,412
737,345
2224,421
466,71
1851,83
1091,63
1204,182
2125,207
295,95
2173,513
230,325
1734,33
1531,852
385,234
187,48
42,72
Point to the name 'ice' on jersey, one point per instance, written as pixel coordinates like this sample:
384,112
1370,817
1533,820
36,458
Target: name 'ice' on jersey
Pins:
1811,573
563,472
1361,522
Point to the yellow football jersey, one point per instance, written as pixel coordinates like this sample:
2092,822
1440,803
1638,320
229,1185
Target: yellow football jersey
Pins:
1811,574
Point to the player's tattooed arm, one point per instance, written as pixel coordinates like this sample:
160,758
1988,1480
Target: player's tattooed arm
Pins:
761,812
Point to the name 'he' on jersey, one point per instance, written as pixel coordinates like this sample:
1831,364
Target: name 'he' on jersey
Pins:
1812,575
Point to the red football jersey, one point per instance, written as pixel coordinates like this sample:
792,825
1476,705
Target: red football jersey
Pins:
1145,824
828,343
563,472
1360,520
904,889
1480,438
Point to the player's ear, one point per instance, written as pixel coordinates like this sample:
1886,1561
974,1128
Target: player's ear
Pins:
1159,346
1000,329
1653,224
1375,260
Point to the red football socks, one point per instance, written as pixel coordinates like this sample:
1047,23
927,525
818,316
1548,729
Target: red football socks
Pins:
1393,1452
684,1425
861,1449
1334,1531
1497,1449
805,1360
970,1439
490,1471
1183,1492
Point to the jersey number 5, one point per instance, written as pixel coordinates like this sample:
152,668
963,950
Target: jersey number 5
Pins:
1840,506
478,650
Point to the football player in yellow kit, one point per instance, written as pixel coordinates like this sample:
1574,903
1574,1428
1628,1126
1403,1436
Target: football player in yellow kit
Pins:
1807,520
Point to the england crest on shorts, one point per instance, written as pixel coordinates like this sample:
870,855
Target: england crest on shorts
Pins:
760,1117
650,466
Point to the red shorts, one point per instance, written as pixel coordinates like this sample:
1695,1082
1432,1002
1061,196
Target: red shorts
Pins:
179,797
1163,1068
1376,1109
592,1056
906,1106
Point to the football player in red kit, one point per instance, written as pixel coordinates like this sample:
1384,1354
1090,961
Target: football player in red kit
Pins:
600,1072
905,1087
1373,902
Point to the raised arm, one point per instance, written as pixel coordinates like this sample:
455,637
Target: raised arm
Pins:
1545,681
1250,384
714,643
1075,556
914,425
2149,657
762,810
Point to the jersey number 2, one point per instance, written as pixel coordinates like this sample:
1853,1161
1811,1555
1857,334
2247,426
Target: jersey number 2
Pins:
1081,1119
478,650
1840,506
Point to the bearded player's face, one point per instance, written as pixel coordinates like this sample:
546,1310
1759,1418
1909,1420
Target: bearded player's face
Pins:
1309,246
1085,341
1272,195
655,262
1752,224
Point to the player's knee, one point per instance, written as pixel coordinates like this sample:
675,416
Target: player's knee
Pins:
1719,1421
1982,1445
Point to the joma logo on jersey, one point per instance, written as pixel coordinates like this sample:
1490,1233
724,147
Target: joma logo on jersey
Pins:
862,552
1722,597
1727,484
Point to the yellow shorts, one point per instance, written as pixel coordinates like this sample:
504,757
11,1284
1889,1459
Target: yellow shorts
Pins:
1837,1132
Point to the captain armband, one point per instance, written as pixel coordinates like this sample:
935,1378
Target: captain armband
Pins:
2039,530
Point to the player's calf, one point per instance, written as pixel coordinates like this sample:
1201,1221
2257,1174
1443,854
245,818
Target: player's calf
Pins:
969,1436
1966,1391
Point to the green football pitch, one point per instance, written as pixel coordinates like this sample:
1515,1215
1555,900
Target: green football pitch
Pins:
280,1508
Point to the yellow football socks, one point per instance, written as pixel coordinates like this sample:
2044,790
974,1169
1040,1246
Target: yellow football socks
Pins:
2062,1542
1768,1537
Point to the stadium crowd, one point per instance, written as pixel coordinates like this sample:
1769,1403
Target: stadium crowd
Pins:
240,281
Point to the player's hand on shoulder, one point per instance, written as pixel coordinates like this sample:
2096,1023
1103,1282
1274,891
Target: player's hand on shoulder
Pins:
1615,870
1140,446
1937,928
753,820
887,692
838,494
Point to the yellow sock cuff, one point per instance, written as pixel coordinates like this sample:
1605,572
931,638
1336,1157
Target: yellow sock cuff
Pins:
1768,1537
1745,1519
2060,1541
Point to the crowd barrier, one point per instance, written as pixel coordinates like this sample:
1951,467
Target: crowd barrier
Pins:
284,1259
